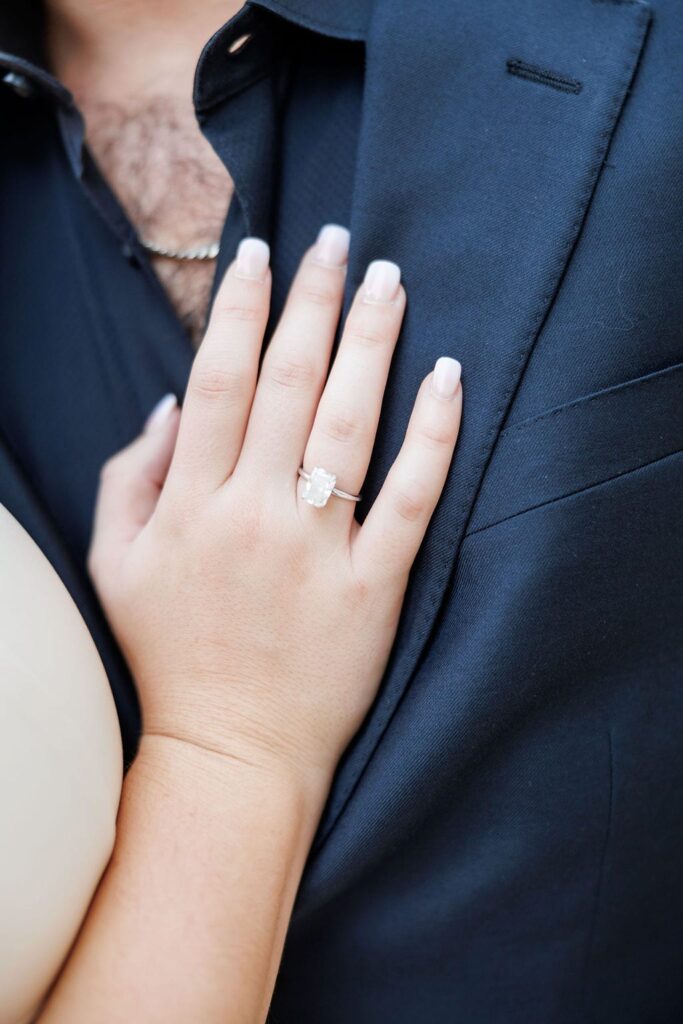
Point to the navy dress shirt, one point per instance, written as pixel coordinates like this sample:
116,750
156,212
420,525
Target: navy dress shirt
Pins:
503,838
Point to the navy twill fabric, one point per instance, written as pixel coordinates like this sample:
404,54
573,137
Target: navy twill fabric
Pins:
503,839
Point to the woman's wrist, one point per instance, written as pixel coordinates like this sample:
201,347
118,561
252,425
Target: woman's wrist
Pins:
180,765
238,724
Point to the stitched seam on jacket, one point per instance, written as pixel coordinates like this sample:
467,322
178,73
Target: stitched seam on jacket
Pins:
651,379
579,490
542,76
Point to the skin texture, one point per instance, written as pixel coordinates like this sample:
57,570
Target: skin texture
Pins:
257,628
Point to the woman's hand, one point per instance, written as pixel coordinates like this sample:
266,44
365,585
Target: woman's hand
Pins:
255,624
257,628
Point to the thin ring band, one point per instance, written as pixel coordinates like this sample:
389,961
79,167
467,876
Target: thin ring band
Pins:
320,485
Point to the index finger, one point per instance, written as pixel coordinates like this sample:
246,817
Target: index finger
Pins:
223,378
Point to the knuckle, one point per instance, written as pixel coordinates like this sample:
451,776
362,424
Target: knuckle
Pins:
177,525
319,292
176,511
436,437
371,326
362,591
410,502
226,314
367,335
213,381
355,599
343,426
249,526
291,373
251,529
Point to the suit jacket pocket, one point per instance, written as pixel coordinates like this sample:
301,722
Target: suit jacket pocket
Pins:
583,443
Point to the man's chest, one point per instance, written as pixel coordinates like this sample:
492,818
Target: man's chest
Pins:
98,343
173,187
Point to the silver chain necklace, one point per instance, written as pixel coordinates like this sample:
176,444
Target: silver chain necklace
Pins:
199,252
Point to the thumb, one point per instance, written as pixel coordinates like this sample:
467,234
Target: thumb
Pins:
130,485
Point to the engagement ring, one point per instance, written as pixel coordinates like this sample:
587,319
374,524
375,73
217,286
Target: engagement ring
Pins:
320,486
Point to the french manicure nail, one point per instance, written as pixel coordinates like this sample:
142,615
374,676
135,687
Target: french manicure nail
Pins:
332,246
382,279
446,377
160,413
253,256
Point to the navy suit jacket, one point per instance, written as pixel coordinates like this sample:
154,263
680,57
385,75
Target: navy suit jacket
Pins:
503,841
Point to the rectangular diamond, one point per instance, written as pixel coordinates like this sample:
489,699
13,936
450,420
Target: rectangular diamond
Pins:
318,488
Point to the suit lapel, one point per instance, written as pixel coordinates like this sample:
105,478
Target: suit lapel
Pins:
476,180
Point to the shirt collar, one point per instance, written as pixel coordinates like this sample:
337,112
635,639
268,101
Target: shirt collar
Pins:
23,66
21,30
22,59
349,19
21,22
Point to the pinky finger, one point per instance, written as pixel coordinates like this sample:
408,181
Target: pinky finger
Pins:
388,541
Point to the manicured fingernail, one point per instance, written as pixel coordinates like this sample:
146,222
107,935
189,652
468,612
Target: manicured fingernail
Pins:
160,413
382,279
446,377
253,256
332,247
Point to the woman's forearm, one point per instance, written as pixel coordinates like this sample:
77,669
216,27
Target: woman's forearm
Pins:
190,917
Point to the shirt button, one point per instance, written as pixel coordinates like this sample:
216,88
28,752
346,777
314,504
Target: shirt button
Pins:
19,83
239,44
129,254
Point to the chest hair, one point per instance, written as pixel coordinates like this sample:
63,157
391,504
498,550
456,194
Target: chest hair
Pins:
173,186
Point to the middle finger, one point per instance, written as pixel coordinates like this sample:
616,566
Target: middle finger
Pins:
296,362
